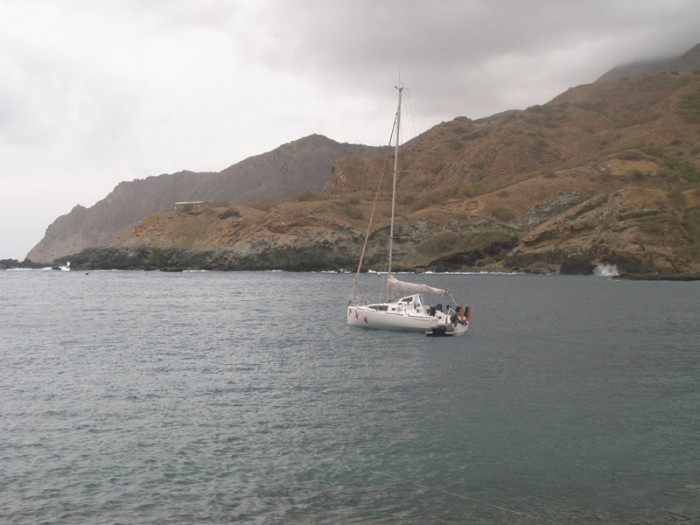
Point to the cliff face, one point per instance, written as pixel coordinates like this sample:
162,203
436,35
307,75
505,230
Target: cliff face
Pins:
302,165
296,235
606,173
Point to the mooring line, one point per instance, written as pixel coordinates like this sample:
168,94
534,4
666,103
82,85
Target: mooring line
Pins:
467,498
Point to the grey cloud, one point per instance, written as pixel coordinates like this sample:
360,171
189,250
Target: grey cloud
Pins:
99,92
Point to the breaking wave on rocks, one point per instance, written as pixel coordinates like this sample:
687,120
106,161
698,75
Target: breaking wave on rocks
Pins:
606,270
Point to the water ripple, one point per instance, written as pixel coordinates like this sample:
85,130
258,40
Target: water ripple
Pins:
243,397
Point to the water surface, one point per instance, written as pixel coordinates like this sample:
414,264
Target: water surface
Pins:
243,397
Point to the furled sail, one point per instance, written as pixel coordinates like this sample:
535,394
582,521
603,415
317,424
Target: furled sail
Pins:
400,287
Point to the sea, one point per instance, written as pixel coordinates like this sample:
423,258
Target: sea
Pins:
244,397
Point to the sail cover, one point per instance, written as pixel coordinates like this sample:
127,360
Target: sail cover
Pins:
400,287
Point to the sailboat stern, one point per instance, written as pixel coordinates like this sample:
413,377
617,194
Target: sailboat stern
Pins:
441,330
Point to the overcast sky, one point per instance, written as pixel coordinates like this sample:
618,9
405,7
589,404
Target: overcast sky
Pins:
93,93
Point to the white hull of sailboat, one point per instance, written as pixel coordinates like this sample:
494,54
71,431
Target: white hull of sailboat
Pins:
401,321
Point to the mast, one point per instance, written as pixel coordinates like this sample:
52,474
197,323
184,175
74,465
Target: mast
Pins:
393,189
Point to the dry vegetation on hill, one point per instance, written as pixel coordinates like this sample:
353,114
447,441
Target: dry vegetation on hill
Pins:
604,173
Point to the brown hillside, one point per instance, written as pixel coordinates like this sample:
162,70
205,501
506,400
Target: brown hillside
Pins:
604,173
298,166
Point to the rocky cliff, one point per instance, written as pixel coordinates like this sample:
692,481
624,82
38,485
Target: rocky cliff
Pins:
302,165
606,173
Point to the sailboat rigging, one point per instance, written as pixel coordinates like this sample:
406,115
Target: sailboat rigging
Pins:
404,307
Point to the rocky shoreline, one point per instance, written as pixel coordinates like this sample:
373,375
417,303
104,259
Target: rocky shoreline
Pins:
14,264
660,277
180,260
299,260
223,259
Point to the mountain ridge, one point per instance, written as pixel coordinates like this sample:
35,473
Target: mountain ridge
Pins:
604,173
688,61
300,165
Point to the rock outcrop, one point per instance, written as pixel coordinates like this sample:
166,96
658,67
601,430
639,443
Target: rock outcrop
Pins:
603,174
606,173
302,165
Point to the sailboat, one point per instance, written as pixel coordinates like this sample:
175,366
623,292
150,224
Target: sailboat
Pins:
404,307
